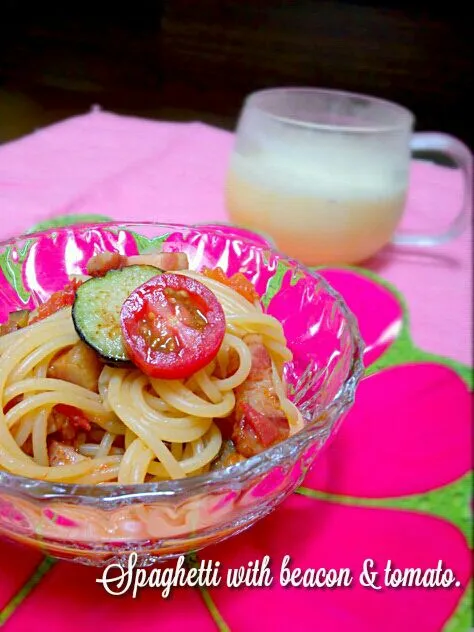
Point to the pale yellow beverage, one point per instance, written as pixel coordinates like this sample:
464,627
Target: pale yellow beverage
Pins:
317,210
325,173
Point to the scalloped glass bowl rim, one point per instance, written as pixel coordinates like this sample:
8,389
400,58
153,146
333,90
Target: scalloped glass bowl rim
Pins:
234,475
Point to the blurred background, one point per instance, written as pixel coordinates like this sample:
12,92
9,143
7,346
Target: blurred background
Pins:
188,60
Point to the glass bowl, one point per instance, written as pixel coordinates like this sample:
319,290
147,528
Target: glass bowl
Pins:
102,524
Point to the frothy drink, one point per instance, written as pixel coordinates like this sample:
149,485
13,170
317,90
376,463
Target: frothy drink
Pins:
321,200
325,173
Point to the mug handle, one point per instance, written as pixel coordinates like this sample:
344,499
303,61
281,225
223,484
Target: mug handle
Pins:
461,155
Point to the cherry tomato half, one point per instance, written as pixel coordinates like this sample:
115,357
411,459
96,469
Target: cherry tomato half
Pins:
172,326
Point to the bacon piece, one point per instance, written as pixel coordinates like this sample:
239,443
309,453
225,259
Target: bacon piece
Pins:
27,447
61,454
230,367
79,365
100,264
258,421
168,261
16,320
66,423
13,402
74,416
59,423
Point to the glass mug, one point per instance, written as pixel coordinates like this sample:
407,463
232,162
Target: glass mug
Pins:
325,173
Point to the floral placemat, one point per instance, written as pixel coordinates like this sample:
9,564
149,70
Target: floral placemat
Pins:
394,488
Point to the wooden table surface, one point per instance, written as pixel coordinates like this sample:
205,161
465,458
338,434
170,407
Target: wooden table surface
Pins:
179,60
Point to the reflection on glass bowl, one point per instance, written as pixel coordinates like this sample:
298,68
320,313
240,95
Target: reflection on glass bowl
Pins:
100,524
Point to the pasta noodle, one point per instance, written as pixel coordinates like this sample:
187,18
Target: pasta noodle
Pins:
141,428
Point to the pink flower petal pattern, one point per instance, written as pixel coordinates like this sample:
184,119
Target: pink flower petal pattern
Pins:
397,440
51,259
232,250
69,599
379,314
408,432
17,565
319,534
9,299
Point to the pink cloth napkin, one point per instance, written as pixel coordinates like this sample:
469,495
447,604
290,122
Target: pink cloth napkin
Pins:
132,168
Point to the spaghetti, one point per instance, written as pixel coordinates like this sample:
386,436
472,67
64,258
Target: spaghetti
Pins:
134,427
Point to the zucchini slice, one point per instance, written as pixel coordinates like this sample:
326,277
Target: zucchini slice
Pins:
97,307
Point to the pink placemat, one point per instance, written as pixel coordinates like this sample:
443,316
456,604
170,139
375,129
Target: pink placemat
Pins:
131,168
395,483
